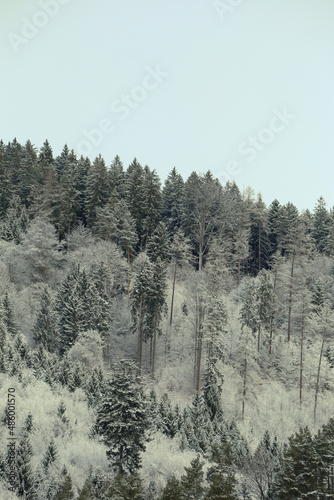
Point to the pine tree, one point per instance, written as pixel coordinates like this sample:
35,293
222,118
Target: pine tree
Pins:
151,193
87,492
117,176
221,476
8,316
50,456
65,491
25,475
172,202
134,180
97,189
122,419
192,481
321,224
297,477
45,330
172,490
15,221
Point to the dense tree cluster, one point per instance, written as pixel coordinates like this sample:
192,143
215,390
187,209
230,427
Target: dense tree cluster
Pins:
202,291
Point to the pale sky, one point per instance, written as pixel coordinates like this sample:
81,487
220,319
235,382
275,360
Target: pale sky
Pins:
244,88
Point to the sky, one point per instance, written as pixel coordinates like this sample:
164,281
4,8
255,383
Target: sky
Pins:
243,88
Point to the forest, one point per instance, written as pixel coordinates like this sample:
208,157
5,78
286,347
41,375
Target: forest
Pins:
160,341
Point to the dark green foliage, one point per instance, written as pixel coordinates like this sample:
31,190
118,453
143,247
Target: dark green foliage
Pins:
45,329
127,487
172,490
65,491
25,474
8,316
87,492
122,419
192,481
221,475
172,201
97,189
50,455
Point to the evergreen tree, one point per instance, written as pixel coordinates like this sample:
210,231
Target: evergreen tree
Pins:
65,491
122,419
321,225
8,316
172,490
45,330
117,176
192,481
151,203
50,456
221,476
127,487
134,180
25,476
297,477
15,222
97,189
172,202
87,492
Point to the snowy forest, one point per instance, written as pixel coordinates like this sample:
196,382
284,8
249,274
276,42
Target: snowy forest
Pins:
160,341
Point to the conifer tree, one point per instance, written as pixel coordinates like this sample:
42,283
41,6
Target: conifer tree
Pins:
151,203
25,476
192,481
65,491
127,486
134,180
97,189
122,419
172,203
172,490
321,225
116,177
45,330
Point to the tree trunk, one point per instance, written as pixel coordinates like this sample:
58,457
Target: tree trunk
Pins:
173,291
301,360
128,273
290,295
238,272
140,338
318,378
244,391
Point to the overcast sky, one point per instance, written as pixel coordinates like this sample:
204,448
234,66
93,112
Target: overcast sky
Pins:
243,88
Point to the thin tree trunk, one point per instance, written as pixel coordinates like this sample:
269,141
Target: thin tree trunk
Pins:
140,338
244,391
259,256
238,272
173,291
290,295
258,338
318,378
128,273
301,360
199,354
154,347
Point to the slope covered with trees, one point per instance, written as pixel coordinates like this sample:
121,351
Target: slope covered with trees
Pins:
160,342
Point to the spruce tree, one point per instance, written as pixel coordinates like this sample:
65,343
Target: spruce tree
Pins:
122,419
25,476
45,330
65,491
172,490
192,481
172,202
